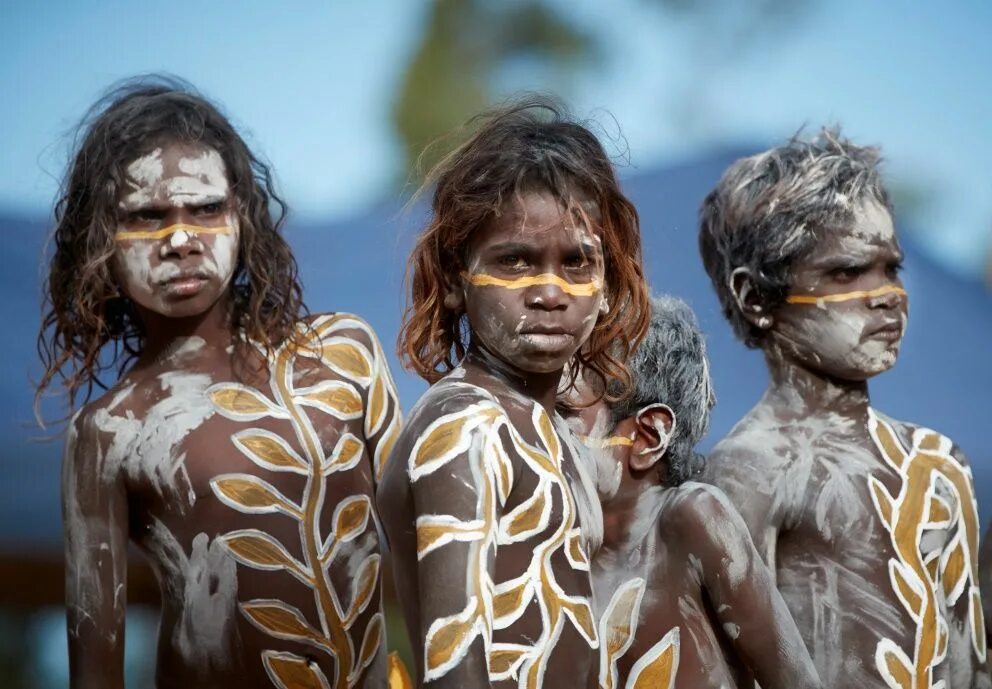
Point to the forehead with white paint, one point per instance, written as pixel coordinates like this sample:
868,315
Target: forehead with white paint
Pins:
175,175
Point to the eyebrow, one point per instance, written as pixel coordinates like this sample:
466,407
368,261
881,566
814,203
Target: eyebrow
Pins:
511,247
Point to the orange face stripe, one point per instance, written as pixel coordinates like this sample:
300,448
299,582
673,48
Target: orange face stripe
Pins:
131,235
844,296
611,441
581,289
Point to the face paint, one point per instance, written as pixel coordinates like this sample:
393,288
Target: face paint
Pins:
177,242
533,286
611,441
575,289
820,300
184,231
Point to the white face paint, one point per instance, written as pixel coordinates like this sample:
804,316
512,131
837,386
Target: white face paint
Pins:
180,273
846,332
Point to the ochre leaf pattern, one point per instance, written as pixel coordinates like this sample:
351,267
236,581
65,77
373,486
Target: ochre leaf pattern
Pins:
399,676
281,620
269,451
347,453
616,629
348,358
290,671
252,495
260,550
370,643
351,517
340,400
239,402
364,586
658,667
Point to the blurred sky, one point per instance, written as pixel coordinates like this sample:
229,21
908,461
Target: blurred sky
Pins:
312,84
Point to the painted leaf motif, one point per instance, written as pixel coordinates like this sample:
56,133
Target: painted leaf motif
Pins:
447,437
954,571
932,564
333,397
370,645
346,455
882,499
240,402
282,621
657,668
269,451
448,639
290,671
377,406
977,623
928,441
547,431
886,440
251,494
619,623
351,517
510,600
348,358
259,550
504,659
906,588
573,550
399,676
893,667
385,447
503,469
939,512
581,615
530,517
364,587
437,530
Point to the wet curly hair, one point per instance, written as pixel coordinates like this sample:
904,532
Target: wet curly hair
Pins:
770,210
530,143
83,310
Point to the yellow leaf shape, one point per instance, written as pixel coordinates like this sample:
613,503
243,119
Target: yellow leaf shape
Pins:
498,458
436,530
385,448
346,455
617,627
932,564
251,494
504,659
883,501
581,615
240,402
290,671
269,451
448,639
573,550
886,440
447,437
899,674
547,431
657,668
977,623
399,676
954,570
333,397
439,441
364,586
530,517
905,589
942,642
370,646
509,602
377,406
347,358
929,442
351,517
259,550
282,621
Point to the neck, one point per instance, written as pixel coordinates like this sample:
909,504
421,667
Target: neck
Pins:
620,510
805,392
541,387
164,333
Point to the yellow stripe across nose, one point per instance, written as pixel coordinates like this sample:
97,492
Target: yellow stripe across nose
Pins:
131,235
577,289
844,296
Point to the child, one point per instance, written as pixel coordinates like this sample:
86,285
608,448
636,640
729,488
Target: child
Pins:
239,446
869,524
690,603
531,260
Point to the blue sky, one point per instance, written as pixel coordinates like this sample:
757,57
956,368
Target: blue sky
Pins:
312,84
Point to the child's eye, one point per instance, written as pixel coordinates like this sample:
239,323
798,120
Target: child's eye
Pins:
847,273
893,269
576,261
512,261
146,215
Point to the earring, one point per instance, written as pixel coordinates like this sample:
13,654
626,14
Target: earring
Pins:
764,322
604,307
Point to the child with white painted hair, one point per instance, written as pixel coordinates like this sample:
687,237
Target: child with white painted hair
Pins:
686,600
239,447
869,524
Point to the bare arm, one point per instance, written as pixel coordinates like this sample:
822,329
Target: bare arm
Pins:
749,607
453,469
94,509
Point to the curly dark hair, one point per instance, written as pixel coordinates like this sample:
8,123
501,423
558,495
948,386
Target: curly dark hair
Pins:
82,309
529,143
770,209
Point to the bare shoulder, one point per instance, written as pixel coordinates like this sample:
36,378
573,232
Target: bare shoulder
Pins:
341,324
914,436
704,520
448,400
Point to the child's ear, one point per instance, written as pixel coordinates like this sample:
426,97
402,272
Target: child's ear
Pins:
654,425
454,295
748,299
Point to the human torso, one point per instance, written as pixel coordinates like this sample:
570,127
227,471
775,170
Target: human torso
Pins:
865,517
673,618
543,632
252,501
